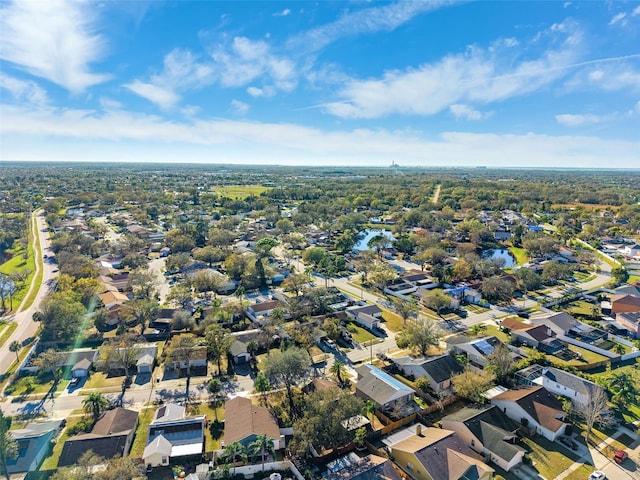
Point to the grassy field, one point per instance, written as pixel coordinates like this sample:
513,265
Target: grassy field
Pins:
392,320
17,263
7,330
580,473
213,432
359,334
519,254
241,191
549,459
100,380
140,439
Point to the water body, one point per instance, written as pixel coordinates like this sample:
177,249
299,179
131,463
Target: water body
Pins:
7,287
504,254
368,234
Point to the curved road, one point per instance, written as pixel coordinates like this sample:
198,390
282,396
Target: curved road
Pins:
24,318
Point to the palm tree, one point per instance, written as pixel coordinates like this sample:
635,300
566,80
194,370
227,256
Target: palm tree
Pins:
338,369
624,387
618,348
369,409
95,404
15,347
263,444
230,452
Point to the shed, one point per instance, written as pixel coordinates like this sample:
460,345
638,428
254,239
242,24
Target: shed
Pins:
81,368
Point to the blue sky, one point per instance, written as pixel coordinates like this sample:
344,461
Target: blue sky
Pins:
439,83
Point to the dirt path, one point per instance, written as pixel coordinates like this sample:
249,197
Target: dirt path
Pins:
436,195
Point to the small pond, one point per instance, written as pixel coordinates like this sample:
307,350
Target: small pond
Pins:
368,234
500,253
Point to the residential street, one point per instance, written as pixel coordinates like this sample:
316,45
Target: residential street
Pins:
24,318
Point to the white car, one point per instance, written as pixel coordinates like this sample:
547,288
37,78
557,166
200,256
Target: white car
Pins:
598,475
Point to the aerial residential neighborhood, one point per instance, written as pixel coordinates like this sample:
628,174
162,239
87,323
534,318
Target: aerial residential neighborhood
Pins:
225,335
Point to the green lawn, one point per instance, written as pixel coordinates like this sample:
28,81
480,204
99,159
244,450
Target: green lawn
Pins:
32,385
51,462
140,440
392,320
580,473
549,458
16,263
359,334
100,380
241,191
520,254
7,331
492,330
213,432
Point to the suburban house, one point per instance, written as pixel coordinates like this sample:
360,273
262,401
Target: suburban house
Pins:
535,336
465,294
438,370
428,453
197,359
367,316
388,393
112,301
535,409
625,303
173,434
579,390
239,352
630,321
110,437
352,467
489,432
244,421
477,350
77,362
34,442
259,312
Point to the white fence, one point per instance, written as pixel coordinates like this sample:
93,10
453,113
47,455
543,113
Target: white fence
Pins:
250,470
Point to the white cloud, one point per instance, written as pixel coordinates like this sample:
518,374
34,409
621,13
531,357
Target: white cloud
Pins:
618,18
467,112
238,107
566,4
110,104
28,91
367,20
55,40
636,11
122,135
282,13
477,76
608,76
571,120
163,97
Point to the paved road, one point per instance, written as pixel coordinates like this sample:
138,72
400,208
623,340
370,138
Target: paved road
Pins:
26,326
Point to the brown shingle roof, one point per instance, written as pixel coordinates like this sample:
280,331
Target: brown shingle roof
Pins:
543,407
243,419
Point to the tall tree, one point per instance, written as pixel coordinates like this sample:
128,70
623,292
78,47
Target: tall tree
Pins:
140,311
233,451
501,363
94,404
8,446
49,360
183,349
218,342
15,347
405,308
262,445
287,369
339,370
419,335
472,385
624,386
594,409
262,386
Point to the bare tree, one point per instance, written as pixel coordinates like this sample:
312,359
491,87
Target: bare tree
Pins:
594,408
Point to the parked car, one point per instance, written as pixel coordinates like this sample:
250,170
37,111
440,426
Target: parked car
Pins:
330,343
620,456
74,381
566,441
598,475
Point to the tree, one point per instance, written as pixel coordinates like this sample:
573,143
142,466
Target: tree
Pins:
528,279
262,445
624,386
378,243
262,386
618,348
437,301
314,255
287,369
620,274
120,352
419,335
328,421
369,409
232,451
61,316
140,311
8,446
594,409
209,254
462,270
49,361
15,347
182,349
554,271
501,363
497,290
339,370
180,295
472,385
405,308
95,404
182,320
218,342
143,283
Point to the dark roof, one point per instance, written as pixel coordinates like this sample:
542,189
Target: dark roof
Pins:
491,427
370,467
575,383
541,405
31,441
108,437
238,348
442,368
367,309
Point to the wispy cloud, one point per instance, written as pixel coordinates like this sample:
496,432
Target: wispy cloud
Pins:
55,40
476,76
621,74
282,13
367,20
573,120
118,133
238,107
619,18
181,71
636,11
24,91
467,112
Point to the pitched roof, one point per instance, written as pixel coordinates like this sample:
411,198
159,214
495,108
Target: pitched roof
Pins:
576,383
238,348
32,440
370,467
108,438
439,368
491,427
159,445
542,406
264,306
465,467
626,299
380,386
169,413
243,419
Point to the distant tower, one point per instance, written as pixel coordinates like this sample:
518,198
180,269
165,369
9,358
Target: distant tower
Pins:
394,164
